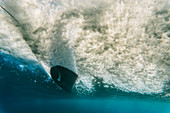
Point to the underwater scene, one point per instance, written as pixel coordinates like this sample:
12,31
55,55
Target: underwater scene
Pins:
120,50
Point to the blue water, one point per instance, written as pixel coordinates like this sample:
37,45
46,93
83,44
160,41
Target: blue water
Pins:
118,105
26,88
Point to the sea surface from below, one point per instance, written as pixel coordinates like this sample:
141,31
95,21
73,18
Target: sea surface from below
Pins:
26,88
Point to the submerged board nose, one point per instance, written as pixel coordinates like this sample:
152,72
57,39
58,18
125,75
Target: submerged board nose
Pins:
64,77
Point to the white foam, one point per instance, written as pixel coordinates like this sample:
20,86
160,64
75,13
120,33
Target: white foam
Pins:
124,42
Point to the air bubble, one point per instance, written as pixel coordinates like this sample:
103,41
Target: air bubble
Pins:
21,67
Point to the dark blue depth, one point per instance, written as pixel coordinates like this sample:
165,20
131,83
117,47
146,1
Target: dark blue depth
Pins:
25,88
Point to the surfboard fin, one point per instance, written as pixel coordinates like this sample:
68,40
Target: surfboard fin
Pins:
64,77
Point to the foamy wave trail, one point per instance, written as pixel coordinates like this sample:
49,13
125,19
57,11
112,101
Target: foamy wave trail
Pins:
116,44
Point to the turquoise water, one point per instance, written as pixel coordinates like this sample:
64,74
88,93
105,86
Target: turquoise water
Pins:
118,48
24,90
118,105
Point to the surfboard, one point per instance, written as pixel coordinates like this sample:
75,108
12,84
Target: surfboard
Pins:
64,77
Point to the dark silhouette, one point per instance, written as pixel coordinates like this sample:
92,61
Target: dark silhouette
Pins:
64,77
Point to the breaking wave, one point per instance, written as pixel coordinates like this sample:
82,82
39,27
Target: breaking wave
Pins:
110,44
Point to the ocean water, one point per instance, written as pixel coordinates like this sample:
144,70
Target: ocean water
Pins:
27,88
119,49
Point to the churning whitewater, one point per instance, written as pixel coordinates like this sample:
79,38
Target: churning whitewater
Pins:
122,44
